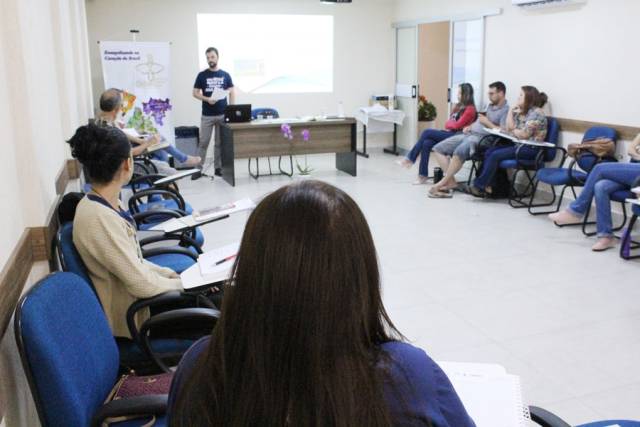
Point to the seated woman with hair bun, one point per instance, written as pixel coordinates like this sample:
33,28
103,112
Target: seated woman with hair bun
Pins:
105,234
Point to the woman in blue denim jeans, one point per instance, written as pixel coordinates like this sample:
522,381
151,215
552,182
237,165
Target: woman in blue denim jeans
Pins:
464,113
603,180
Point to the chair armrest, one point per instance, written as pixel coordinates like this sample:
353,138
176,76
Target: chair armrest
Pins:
148,179
169,297
184,240
140,217
545,418
135,199
152,404
173,317
571,168
165,298
147,253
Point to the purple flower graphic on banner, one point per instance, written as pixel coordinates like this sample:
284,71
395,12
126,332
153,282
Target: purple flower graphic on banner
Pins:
306,135
157,108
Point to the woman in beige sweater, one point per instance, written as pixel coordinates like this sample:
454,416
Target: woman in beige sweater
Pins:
105,234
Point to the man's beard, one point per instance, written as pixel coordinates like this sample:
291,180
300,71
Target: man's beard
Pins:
213,64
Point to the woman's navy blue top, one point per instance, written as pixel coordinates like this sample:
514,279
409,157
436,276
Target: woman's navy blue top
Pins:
421,393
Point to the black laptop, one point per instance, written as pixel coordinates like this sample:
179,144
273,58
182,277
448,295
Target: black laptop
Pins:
237,113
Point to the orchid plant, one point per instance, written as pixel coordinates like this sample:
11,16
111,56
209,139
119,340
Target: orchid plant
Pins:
287,133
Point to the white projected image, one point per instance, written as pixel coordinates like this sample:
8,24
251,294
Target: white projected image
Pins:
271,53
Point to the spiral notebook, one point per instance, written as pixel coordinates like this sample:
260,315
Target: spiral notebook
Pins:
492,397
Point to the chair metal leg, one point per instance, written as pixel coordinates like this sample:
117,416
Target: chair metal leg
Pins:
545,204
616,228
516,200
632,244
474,169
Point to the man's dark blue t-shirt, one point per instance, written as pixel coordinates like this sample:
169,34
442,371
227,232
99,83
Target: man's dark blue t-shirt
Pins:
206,81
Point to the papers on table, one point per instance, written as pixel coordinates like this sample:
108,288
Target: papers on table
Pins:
219,94
380,115
205,272
499,132
375,109
158,146
179,224
176,176
131,132
492,397
213,263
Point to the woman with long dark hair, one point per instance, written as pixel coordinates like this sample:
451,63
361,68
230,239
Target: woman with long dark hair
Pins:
303,339
526,120
463,114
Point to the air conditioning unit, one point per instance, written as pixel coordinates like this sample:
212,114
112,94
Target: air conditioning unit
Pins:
537,4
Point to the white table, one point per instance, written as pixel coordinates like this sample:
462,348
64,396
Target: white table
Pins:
379,114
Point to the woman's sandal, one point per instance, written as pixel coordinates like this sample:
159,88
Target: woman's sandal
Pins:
439,194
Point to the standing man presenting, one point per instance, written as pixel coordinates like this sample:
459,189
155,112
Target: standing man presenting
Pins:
207,88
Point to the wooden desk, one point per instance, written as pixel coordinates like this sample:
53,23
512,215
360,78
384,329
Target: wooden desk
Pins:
260,139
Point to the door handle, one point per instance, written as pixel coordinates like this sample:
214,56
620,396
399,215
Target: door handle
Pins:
414,91
448,95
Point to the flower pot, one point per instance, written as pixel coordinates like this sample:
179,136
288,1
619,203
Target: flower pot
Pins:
424,125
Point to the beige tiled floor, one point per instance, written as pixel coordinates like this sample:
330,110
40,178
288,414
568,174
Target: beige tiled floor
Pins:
473,280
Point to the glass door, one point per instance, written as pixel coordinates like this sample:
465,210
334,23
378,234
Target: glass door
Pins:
467,57
406,90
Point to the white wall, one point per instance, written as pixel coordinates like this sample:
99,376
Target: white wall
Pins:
363,61
44,85
582,57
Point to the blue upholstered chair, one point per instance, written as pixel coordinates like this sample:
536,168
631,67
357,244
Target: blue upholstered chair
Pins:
273,113
529,168
572,176
71,359
133,353
544,418
151,205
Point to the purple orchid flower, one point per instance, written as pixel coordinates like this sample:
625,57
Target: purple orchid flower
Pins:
306,135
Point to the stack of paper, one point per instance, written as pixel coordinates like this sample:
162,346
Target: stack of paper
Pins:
209,270
374,109
499,132
177,224
492,397
218,94
158,146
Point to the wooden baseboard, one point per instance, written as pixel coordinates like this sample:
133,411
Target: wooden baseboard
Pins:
35,244
627,133
13,277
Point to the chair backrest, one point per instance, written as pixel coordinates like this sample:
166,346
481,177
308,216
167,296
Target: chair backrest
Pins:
264,112
67,350
553,133
67,206
588,161
70,259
